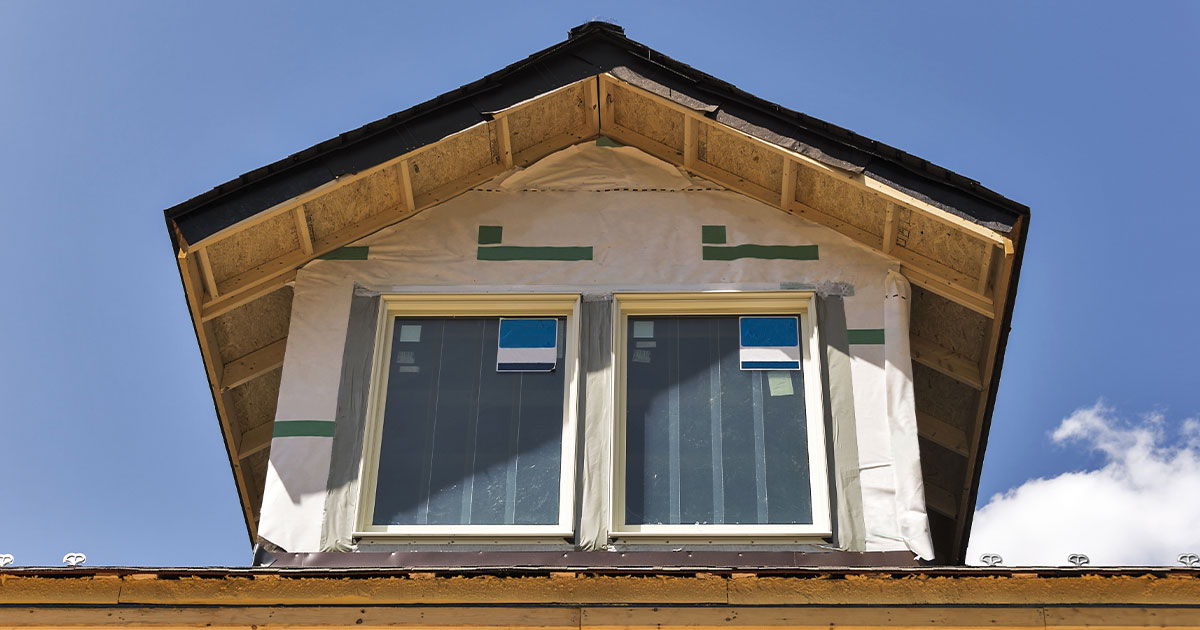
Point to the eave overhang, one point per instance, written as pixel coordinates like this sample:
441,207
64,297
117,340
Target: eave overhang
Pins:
960,244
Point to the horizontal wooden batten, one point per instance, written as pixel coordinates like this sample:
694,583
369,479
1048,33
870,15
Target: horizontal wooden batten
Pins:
254,364
255,440
943,433
955,366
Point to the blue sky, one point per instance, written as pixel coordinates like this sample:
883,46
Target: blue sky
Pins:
110,112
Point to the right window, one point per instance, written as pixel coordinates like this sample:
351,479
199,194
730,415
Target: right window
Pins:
721,424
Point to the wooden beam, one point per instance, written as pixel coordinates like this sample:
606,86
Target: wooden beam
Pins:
955,366
253,365
890,228
606,103
1000,293
255,439
941,500
456,187
591,104
503,142
531,154
733,182
227,303
953,292
206,273
302,231
942,433
833,223
691,142
932,211
406,184
985,269
625,135
787,184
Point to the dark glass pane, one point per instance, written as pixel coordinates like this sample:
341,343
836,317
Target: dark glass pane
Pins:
708,442
463,444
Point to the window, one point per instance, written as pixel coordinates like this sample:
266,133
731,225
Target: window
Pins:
720,430
471,423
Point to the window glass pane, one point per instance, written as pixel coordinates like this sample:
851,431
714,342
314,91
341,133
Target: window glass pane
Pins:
462,443
708,442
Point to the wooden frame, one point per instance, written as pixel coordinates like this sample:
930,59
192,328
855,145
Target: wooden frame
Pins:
467,305
728,303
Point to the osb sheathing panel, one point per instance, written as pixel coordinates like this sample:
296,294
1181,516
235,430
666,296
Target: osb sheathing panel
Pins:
647,117
358,200
454,157
944,398
253,325
951,247
949,325
253,246
941,467
254,401
841,200
547,117
734,154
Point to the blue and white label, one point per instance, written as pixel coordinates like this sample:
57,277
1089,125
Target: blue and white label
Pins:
770,343
527,345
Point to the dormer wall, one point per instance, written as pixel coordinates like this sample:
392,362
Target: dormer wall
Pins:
599,221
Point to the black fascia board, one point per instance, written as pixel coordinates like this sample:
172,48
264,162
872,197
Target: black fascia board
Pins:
591,49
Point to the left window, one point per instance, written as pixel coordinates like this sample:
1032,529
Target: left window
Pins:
472,416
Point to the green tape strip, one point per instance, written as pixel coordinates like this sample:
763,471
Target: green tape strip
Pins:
865,336
303,428
712,234
490,234
510,252
346,253
605,141
769,252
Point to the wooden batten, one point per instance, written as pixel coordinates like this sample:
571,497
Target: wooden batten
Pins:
943,434
890,229
255,440
257,363
956,367
302,230
504,142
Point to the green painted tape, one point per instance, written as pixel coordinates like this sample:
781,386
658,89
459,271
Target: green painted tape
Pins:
490,234
346,253
303,428
712,234
605,141
769,252
865,336
511,252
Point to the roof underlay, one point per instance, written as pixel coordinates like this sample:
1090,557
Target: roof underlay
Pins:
959,244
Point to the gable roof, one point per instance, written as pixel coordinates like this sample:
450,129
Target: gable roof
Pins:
959,243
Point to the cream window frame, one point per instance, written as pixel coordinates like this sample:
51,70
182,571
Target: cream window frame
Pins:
393,306
726,303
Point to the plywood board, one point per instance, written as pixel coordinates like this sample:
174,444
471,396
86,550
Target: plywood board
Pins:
254,324
564,111
949,325
841,200
646,117
358,200
953,248
453,158
944,398
258,244
733,154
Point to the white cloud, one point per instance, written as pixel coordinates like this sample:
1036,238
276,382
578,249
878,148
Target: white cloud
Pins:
1142,507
